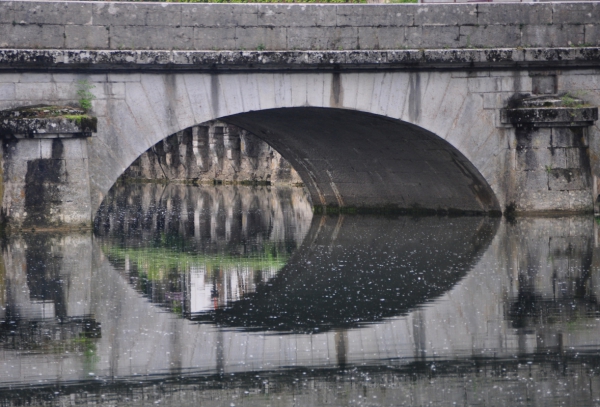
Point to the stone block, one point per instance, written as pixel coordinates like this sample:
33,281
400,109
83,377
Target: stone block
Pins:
523,13
543,84
35,91
296,15
7,14
564,137
119,14
9,77
86,37
7,91
579,85
384,15
75,148
50,13
164,14
261,37
218,38
116,90
490,36
446,14
322,38
66,91
576,12
581,200
539,138
592,35
99,107
220,15
575,157
532,181
557,35
543,201
533,159
136,37
32,36
571,179
558,158
515,84
381,37
36,78
493,100
432,37
46,148
480,85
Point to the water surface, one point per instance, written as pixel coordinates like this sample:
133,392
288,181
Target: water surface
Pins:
234,295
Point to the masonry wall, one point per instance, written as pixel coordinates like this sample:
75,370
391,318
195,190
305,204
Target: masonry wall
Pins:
110,25
213,152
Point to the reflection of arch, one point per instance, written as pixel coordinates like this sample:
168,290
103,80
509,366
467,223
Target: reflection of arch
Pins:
355,270
360,126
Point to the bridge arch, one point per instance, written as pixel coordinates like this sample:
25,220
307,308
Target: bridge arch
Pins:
359,140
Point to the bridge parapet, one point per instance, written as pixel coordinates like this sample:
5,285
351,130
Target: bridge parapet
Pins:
177,26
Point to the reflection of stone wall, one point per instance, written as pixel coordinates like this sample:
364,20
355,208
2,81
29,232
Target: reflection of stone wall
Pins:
213,152
229,239
213,218
458,350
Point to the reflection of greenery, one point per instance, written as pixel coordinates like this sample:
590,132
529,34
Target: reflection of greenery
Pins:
157,262
160,268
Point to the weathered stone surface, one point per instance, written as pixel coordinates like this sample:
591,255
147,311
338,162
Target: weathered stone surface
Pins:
56,13
388,15
553,170
149,37
550,116
570,179
325,59
446,14
77,36
429,26
228,15
479,36
213,152
516,14
290,15
46,184
564,35
576,13
46,122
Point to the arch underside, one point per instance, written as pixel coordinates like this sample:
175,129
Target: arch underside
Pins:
350,159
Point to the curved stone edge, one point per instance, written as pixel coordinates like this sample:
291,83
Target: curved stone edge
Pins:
36,59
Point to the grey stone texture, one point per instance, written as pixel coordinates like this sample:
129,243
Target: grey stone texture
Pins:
45,183
257,60
552,164
171,26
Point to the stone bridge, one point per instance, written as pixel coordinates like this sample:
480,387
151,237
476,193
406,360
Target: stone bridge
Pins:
472,108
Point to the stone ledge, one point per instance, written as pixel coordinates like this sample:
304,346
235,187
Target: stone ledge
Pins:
550,116
35,59
46,122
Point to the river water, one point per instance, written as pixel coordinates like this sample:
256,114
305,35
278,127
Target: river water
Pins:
239,296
